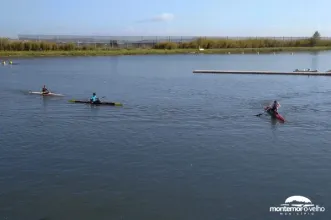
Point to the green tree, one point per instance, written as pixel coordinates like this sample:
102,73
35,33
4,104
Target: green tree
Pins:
314,40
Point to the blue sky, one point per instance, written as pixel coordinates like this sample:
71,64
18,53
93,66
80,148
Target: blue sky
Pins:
166,17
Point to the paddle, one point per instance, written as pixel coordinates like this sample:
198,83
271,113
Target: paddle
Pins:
258,115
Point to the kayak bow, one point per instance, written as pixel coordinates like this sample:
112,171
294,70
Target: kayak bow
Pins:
274,114
102,103
43,94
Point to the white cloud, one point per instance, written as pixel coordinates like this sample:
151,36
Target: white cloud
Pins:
164,17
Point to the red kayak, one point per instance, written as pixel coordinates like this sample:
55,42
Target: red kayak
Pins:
274,114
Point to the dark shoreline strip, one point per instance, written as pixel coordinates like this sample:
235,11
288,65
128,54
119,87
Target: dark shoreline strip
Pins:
262,72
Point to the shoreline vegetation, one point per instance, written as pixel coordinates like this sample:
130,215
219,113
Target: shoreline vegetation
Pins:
16,48
138,51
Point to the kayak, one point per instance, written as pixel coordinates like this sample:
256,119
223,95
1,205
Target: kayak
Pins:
48,94
274,114
306,70
102,103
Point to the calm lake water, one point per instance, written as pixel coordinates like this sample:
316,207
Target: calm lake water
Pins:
183,146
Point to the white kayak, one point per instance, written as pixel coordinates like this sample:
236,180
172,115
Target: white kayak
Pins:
48,94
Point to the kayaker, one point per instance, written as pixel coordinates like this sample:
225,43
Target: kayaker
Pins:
274,107
45,90
94,99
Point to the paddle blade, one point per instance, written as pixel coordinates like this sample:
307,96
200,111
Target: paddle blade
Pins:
72,100
118,104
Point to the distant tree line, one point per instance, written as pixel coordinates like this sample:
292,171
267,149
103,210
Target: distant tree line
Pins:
315,40
10,45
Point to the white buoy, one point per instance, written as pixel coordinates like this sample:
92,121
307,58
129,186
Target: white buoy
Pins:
229,53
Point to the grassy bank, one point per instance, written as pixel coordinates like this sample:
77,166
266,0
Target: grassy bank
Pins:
118,52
